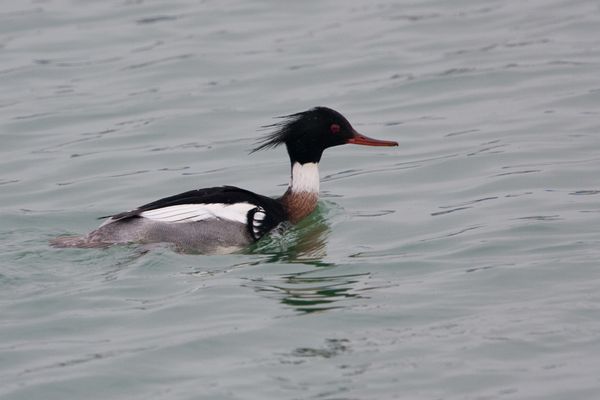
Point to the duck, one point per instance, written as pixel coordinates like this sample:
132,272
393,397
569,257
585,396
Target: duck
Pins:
227,217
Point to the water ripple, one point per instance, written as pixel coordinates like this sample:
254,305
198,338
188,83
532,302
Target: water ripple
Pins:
461,264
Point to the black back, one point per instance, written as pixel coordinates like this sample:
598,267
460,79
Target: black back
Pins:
274,211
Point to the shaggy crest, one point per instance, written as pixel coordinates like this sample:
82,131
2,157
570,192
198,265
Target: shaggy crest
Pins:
291,127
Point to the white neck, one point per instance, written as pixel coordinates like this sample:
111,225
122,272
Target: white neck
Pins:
305,178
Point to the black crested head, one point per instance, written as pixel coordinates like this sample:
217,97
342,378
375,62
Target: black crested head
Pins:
306,134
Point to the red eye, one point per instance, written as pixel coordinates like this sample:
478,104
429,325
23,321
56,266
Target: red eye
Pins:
334,128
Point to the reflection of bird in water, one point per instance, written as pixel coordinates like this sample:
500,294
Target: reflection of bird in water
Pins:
311,291
317,289
305,242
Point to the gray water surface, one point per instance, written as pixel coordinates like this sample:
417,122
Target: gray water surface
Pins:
461,265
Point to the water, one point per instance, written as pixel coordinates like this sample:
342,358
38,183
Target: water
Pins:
461,265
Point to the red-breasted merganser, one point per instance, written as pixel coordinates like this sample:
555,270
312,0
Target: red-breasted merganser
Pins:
229,217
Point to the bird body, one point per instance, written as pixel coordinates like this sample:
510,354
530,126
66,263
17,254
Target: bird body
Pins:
217,218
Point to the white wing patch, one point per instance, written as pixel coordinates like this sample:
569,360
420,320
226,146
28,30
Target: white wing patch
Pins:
198,212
